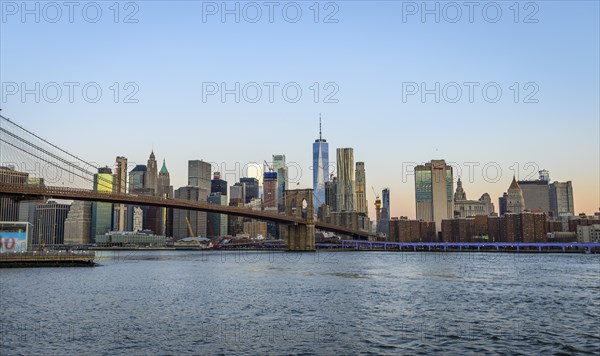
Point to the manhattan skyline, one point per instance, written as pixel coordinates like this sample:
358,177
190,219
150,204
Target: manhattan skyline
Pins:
559,53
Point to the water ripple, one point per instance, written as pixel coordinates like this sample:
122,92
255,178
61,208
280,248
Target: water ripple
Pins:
192,302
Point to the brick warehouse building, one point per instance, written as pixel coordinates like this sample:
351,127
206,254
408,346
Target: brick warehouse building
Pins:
513,227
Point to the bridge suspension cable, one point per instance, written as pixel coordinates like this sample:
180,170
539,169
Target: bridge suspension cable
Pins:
25,150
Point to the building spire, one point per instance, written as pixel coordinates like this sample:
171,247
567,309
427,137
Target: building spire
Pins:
514,184
164,170
320,135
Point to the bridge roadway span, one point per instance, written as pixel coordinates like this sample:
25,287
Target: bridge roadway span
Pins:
27,191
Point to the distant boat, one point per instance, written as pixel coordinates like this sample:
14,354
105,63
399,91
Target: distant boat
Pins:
198,242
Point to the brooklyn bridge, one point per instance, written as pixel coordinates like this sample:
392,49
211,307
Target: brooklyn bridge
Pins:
67,176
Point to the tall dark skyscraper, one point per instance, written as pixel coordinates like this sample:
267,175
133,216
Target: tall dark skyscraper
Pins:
383,225
216,224
561,199
331,193
502,201
251,188
320,168
218,185
137,178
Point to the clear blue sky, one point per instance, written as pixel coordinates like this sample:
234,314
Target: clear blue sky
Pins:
372,49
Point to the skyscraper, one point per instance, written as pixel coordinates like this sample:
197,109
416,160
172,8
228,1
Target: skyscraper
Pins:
165,190
536,193
433,192
101,222
345,185
280,168
237,196
270,190
515,203
78,223
199,174
278,162
139,183
103,180
120,187
383,225
361,188
377,211
331,193
561,199
251,188
216,223
196,219
320,168
152,174
218,185
49,227
502,201
153,217
137,178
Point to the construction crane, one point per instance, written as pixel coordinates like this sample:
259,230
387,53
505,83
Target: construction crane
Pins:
377,206
270,168
189,226
376,196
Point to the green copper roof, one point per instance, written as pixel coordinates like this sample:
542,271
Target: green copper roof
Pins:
164,170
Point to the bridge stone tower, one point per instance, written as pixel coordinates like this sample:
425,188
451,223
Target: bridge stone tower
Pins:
299,203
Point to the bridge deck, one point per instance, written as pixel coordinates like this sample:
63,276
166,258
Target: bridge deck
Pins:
26,191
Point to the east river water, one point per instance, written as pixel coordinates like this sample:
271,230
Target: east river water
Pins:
253,302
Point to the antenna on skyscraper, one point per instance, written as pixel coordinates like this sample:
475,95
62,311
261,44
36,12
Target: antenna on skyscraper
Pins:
320,136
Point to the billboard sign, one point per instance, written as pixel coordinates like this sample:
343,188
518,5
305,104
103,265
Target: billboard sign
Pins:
14,236
13,241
